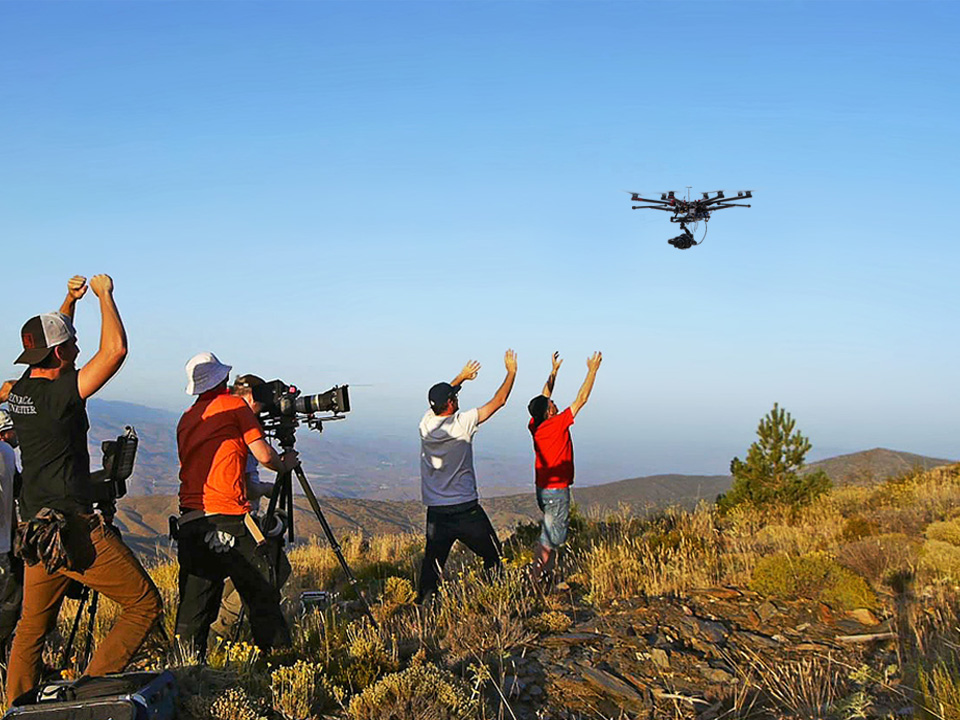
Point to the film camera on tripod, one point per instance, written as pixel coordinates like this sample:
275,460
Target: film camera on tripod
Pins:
283,409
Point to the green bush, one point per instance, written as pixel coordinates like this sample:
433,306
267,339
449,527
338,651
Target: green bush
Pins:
814,576
421,691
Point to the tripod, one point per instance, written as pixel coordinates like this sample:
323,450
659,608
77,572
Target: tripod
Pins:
86,594
283,497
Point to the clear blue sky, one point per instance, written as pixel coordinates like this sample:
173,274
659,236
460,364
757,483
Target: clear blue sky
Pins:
375,192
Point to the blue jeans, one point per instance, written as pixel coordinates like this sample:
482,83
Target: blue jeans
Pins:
555,505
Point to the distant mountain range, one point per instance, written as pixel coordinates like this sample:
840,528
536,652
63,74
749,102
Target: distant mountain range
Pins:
372,486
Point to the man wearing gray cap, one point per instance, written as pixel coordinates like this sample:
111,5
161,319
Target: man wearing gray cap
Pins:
448,482
49,409
218,538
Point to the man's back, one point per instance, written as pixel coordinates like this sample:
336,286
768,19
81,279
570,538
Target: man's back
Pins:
212,440
553,448
51,422
446,458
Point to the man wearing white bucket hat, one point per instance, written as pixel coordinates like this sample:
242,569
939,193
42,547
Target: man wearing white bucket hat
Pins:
217,537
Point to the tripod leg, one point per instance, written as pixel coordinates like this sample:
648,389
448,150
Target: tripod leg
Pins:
68,648
328,531
88,645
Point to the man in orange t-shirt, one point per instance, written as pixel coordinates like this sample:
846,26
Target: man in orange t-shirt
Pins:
553,448
213,439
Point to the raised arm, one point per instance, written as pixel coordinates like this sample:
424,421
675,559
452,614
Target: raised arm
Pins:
593,364
113,341
552,378
469,372
500,397
76,289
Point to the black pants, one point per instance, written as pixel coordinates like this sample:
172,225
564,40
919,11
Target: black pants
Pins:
11,597
202,574
467,523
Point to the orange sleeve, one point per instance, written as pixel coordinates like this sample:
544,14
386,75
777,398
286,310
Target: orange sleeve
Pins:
249,425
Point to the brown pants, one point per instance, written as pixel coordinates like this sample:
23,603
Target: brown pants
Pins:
111,569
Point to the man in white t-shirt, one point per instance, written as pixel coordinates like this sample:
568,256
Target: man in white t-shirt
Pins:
11,568
448,482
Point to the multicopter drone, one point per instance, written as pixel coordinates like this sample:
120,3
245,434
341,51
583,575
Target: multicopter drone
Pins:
690,211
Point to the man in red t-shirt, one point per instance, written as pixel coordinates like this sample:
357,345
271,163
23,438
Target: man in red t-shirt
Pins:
553,448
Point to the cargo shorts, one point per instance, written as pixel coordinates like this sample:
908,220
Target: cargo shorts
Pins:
555,505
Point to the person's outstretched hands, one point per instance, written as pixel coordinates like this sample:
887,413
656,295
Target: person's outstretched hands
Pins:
510,361
77,287
469,372
557,362
101,284
593,362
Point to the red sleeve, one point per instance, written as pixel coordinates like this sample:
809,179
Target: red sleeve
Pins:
566,418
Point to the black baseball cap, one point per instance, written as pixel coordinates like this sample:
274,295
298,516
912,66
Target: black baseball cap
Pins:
440,393
41,334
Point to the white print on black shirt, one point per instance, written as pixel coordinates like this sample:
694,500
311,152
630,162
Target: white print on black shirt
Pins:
21,405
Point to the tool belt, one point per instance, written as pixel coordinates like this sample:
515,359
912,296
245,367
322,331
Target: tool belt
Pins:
192,515
45,539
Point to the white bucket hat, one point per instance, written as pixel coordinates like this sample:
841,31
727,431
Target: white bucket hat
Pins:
205,372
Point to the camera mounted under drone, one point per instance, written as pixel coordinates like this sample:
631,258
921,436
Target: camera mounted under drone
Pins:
690,212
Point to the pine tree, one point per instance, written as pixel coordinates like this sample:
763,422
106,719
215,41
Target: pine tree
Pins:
771,472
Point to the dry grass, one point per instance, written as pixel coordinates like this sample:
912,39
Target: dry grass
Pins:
421,657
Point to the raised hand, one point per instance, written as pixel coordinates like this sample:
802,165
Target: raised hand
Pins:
593,362
557,362
76,287
101,284
469,371
510,361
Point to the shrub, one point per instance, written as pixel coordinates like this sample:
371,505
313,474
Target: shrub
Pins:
813,576
236,704
551,621
421,691
857,527
880,557
300,691
947,531
941,560
398,591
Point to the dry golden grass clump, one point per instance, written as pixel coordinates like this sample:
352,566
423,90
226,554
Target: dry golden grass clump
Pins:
420,691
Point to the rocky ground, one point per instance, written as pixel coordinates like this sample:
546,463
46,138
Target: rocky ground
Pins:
719,652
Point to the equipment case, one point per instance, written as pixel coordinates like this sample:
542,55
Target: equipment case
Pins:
125,696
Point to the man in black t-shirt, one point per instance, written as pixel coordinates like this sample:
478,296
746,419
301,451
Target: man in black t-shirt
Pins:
48,407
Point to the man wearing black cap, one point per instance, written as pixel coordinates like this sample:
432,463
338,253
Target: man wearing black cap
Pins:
49,409
447,479
553,451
